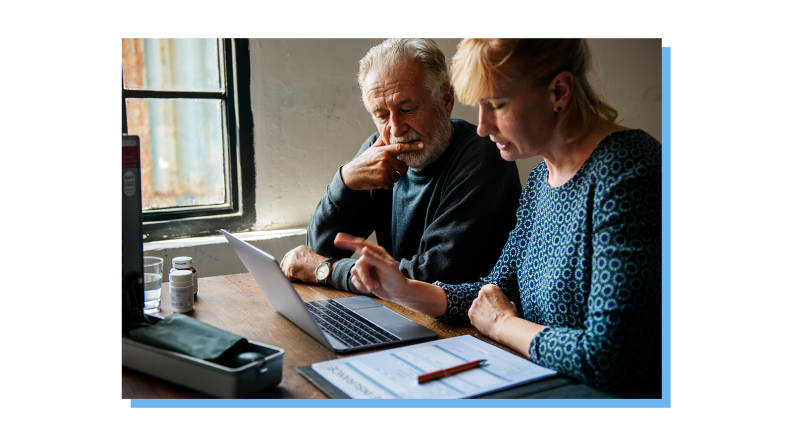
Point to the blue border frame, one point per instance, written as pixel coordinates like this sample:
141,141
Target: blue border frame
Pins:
664,402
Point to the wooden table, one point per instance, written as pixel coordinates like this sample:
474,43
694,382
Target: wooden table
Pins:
236,304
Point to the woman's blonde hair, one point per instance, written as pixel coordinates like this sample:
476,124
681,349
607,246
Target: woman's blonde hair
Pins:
479,64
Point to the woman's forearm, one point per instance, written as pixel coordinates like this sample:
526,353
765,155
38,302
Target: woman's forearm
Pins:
423,297
517,334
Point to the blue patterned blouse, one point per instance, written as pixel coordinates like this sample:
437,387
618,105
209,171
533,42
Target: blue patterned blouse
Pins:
584,259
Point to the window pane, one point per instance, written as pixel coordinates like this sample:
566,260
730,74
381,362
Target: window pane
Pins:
181,151
172,65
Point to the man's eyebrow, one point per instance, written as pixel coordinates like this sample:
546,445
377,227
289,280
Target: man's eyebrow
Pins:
398,104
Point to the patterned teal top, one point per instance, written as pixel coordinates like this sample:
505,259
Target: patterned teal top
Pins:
584,259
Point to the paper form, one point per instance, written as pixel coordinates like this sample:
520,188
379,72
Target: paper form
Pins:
394,373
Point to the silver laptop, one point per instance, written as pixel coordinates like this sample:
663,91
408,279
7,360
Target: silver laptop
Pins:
343,325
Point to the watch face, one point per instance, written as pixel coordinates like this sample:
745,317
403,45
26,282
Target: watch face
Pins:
322,271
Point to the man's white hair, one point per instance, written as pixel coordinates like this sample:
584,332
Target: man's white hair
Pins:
395,53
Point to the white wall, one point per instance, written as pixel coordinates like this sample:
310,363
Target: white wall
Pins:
309,119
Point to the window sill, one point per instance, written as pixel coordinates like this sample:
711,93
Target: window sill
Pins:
213,256
219,239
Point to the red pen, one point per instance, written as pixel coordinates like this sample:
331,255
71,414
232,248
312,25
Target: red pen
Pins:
450,371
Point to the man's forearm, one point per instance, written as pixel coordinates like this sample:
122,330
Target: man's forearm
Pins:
339,210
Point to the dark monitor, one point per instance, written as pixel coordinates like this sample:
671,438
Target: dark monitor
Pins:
131,234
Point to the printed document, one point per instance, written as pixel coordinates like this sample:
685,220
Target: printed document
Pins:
394,373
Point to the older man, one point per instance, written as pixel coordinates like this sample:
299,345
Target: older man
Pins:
439,197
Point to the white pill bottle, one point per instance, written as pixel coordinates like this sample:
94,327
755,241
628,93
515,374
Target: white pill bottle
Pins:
182,290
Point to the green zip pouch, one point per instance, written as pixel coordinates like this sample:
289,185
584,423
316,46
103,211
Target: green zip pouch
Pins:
183,334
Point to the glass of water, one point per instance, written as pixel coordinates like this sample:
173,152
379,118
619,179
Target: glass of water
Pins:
152,284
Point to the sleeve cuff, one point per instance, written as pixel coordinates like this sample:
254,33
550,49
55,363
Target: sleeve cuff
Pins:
341,274
452,313
342,280
536,352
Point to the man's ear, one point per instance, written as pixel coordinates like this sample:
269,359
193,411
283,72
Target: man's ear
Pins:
561,90
448,98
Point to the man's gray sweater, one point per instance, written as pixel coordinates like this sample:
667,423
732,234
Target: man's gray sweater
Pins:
448,222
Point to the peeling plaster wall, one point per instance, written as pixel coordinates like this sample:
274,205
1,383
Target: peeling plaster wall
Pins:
308,121
309,117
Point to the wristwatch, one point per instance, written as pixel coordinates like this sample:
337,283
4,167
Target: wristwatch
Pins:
322,271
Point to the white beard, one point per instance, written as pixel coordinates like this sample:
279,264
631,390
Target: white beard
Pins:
432,150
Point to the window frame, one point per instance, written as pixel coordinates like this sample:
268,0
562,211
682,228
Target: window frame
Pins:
240,214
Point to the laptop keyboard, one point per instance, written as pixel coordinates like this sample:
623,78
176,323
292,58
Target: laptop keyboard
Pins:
347,326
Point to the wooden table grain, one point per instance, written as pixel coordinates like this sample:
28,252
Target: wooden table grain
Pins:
236,304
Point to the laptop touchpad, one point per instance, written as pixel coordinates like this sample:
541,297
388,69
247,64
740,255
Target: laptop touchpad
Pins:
358,302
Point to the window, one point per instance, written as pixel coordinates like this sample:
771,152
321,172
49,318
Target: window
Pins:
189,102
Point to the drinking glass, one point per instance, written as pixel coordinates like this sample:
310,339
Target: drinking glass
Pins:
152,284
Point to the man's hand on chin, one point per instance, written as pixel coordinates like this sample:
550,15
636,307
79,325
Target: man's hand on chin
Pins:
379,167
300,263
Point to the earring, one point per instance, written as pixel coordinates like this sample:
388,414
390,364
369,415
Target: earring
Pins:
558,109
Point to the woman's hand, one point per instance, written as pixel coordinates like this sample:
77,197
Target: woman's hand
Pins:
378,273
375,271
491,310
495,316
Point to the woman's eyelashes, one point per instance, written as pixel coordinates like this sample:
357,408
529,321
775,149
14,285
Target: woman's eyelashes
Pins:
495,105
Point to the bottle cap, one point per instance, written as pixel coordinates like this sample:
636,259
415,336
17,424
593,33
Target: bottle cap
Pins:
180,276
182,262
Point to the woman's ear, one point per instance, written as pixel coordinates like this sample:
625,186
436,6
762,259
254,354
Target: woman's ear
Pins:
561,90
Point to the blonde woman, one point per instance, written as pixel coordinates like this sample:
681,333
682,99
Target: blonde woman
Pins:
583,261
